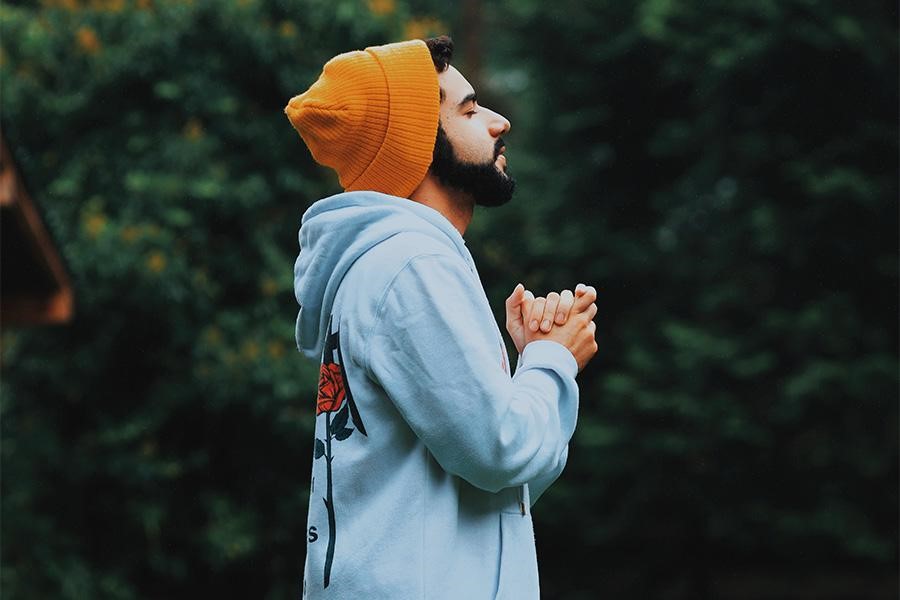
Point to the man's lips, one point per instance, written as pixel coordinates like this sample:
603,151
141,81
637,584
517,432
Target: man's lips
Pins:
501,158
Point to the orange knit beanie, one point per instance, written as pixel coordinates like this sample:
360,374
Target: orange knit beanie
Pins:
372,116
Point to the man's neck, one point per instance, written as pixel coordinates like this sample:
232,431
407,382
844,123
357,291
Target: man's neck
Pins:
455,206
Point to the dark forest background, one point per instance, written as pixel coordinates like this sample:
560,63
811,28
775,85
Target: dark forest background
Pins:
724,172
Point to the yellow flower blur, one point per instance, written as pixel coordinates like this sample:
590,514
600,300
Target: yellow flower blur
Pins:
269,286
276,349
87,40
193,129
250,350
423,27
95,224
130,233
287,29
381,7
156,262
213,335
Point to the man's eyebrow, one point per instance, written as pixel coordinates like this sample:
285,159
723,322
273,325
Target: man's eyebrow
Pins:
470,98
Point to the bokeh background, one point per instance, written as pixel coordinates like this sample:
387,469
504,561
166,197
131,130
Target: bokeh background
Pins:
725,173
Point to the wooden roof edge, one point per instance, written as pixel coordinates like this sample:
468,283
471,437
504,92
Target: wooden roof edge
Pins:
56,308
14,196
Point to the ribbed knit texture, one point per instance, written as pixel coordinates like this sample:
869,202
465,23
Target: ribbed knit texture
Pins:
372,116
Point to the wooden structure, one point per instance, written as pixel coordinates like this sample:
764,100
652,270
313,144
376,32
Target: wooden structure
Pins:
35,287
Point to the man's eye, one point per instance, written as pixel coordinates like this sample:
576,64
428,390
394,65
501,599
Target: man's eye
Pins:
471,112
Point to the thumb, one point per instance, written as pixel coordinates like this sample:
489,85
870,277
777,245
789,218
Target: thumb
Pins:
513,312
515,299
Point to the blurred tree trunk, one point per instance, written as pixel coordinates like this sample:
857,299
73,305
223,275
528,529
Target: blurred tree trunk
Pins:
472,27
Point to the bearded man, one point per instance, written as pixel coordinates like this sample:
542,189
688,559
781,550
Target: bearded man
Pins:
429,453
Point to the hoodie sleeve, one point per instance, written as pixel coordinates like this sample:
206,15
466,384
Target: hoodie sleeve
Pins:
539,484
436,352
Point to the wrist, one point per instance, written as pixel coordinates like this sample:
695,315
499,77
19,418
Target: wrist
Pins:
546,351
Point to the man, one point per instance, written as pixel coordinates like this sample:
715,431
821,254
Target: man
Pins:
428,455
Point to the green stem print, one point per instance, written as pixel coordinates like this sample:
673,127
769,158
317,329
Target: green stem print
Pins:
334,399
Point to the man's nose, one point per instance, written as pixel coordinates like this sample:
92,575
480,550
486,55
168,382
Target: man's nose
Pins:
499,125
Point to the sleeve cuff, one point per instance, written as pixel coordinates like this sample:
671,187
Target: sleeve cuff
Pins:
548,354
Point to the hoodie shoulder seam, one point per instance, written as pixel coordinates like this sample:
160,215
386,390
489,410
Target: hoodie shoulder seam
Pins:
387,288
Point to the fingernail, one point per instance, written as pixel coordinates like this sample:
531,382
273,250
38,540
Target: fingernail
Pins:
534,325
546,325
560,316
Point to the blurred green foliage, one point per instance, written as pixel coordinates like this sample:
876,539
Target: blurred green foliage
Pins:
724,172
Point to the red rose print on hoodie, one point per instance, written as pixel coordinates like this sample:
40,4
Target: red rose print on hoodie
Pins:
332,390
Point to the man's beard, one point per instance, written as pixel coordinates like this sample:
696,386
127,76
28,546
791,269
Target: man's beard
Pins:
484,183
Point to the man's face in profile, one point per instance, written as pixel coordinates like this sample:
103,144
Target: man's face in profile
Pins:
468,153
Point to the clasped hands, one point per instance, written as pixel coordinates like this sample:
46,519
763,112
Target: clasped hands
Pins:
565,317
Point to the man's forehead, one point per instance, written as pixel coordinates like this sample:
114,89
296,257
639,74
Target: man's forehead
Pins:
454,85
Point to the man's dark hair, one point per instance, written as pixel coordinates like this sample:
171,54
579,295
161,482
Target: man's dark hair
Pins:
441,49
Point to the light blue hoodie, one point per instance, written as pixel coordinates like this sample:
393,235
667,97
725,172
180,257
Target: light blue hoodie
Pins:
428,455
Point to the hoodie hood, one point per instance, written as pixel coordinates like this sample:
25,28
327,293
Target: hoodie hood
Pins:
337,230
